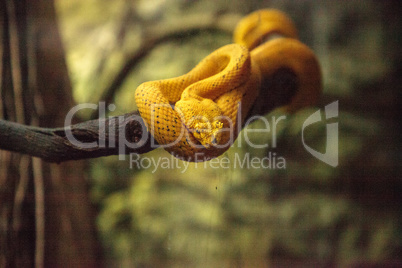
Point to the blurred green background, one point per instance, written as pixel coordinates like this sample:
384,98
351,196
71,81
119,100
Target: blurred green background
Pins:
207,216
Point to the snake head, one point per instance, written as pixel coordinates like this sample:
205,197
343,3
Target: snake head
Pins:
202,118
208,133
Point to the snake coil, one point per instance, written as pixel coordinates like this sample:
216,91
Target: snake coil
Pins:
197,116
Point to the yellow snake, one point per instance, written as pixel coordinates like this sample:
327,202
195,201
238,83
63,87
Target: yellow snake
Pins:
197,116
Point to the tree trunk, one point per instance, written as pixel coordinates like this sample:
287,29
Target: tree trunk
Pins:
46,218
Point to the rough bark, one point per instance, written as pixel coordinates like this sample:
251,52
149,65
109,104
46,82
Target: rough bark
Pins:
95,138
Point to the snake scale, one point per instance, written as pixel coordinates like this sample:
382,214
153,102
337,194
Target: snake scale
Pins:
197,116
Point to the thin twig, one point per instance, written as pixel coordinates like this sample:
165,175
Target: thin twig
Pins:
39,212
15,63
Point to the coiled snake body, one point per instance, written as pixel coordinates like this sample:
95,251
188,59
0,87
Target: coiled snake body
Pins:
197,116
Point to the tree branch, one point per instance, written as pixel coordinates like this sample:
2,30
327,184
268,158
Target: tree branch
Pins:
119,135
95,138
